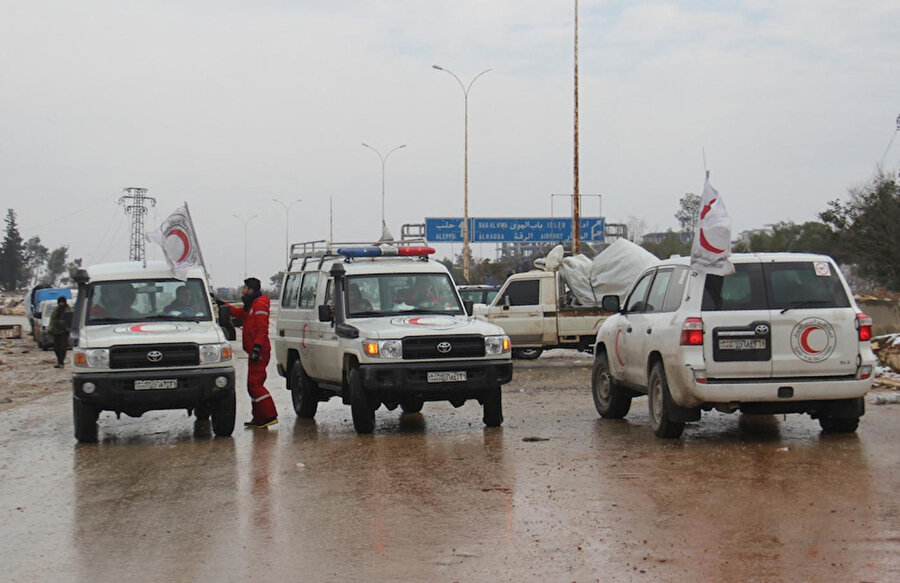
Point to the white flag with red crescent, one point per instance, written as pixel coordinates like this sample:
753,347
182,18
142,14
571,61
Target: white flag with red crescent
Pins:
712,239
178,239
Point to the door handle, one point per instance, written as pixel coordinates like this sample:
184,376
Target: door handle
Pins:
649,330
628,329
281,333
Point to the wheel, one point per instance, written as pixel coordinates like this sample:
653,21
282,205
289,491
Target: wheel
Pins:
360,404
85,416
527,353
493,407
659,396
223,413
411,405
611,400
304,392
842,425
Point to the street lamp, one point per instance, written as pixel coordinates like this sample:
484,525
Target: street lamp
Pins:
465,229
245,221
287,227
383,162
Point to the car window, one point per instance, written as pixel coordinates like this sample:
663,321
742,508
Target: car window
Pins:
804,283
308,290
147,300
291,291
329,292
657,298
742,290
635,301
522,293
676,289
389,293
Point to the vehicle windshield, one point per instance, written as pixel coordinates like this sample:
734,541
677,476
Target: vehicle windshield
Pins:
147,300
415,293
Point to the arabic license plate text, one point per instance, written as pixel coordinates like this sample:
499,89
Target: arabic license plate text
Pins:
742,344
447,376
155,384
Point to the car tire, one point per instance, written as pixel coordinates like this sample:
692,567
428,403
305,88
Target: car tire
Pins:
839,425
611,400
527,353
304,392
85,416
411,405
492,404
360,404
659,399
223,414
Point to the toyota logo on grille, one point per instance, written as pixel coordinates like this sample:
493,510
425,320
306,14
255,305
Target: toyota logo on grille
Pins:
762,330
154,356
444,347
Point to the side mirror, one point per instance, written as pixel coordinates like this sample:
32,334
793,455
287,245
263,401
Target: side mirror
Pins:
506,303
469,305
226,324
610,303
325,313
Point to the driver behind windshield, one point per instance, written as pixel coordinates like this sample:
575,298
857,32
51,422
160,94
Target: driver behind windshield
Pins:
182,302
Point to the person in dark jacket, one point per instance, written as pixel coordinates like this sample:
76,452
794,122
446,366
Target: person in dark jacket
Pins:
255,337
60,327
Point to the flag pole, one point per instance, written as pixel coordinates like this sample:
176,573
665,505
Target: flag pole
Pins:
196,239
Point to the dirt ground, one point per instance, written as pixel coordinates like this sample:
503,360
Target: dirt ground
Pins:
27,373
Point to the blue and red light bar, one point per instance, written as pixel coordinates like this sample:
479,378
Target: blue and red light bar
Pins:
385,251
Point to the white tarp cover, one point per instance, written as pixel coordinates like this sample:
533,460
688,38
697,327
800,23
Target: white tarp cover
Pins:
610,273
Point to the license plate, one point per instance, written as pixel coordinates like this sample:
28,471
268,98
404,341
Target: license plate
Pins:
742,344
447,376
155,384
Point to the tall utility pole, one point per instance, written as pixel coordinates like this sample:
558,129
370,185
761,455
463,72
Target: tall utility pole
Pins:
287,228
135,201
576,198
465,229
383,162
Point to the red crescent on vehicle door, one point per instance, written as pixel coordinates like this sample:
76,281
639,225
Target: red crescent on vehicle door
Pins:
185,242
804,340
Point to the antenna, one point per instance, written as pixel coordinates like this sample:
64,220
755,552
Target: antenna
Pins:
134,202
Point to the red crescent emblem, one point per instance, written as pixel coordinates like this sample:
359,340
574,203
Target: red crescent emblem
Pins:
414,322
705,244
616,347
706,208
137,328
804,340
185,243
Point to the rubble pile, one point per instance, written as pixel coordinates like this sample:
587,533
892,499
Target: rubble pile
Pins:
12,305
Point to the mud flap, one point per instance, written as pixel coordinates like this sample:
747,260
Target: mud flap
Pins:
847,408
678,414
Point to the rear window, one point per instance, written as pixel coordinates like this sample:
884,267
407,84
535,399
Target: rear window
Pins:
775,286
805,284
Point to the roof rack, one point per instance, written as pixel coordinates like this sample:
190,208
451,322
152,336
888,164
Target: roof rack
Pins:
322,250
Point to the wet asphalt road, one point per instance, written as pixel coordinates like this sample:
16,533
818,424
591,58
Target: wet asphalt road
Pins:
436,496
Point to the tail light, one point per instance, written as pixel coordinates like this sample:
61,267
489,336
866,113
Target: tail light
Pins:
864,325
692,332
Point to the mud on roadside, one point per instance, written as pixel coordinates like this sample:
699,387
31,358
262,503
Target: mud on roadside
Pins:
27,373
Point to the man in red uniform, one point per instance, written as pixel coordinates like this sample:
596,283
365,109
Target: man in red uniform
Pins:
255,314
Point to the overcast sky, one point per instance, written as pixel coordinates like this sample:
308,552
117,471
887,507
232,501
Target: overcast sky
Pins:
226,104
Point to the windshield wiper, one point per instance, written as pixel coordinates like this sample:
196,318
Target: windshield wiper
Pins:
170,317
96,320
807,303
365,313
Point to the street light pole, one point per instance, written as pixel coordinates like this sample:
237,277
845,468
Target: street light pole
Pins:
287,227
465,230
245,221
383,162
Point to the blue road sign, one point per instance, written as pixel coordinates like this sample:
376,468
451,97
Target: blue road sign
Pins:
513,230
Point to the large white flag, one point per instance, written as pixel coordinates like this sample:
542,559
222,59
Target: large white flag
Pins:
178,239
712,237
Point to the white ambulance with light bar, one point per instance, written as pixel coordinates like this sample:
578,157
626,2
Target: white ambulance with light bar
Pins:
782,334
383,325
142,343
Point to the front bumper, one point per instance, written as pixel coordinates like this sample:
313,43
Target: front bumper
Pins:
412,377
114,391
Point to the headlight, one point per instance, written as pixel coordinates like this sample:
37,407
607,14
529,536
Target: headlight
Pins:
92,358
383,348
210,353
494,345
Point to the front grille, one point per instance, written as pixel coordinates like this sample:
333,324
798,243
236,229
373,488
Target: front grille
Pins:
419,347
139,356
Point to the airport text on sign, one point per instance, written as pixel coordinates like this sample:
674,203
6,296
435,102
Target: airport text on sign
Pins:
513,230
